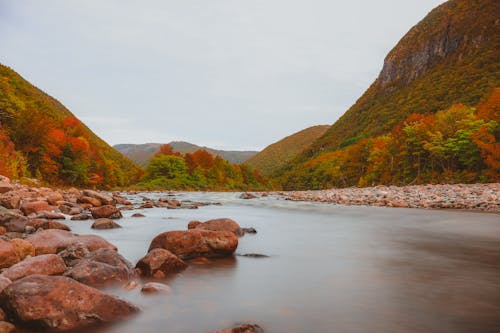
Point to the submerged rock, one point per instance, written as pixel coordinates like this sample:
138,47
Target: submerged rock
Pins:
247,195
105,223
197,243
60,303
158,263
155,288
242,328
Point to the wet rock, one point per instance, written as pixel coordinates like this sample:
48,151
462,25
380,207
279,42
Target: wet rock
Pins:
197,243
50,215
34,207
47,264
74,253
159,263
6,327
4,282
224,224
107,211
247,195
8,254
104,223
249,230
155,288
138,215
102,267
242,328
105,199
149,204
23,248
60,303
81,217
47,224
55,241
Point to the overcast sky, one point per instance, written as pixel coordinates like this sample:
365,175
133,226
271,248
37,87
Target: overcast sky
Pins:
229,74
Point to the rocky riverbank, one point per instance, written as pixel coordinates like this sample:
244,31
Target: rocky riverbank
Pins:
52,279
479,197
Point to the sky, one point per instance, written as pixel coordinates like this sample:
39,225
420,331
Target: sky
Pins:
228,74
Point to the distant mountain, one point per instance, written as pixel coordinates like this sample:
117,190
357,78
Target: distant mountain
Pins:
40,138
142,153
449,58
278,154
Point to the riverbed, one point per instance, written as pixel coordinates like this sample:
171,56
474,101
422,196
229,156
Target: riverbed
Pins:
331,268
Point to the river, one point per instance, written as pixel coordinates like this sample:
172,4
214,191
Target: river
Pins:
330,268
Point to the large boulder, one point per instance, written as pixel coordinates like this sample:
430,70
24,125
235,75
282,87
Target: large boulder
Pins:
104,223
59,303
11,215
159,263
194,243
107,211
8,254
103,198
223,224
34,207
102,267
89,200
47,264
73,254
23,248
55,241
47,224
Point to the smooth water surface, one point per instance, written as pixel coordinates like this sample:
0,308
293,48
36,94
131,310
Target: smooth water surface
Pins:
331,269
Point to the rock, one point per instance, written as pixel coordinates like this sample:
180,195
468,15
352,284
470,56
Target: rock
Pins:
155,287
102,267
16,226
3,230
4,282
148,204
47,264
104,223
10,200
253,255
106,211
55,241
247,195
59,303
221,225
6,187
54,198
89,200
138,215
34,207
196,243
242,328
23,248
131,285
47,224
10,215
159,263
249,230
74,253
50,216
8,254
103,198
6,327
193,224
80,217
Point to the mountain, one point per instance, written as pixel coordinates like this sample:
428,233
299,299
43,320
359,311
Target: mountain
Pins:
449,58
41,138
142,153
278,154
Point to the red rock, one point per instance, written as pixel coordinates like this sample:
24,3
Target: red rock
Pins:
34,207
106,211
194,224
148,204
138,215
8,254
6,187
23,248
4,282
247,195
47,224
159,263
80,217
89,200
243,328
104,223
54,241
60,303
221,225
73,254
155,288
10,215
16,226
6,327
47,264
50,215
2,230
103,198
10,200
197,243
102,267
54,197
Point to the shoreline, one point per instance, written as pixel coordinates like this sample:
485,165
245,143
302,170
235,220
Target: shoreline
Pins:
463,197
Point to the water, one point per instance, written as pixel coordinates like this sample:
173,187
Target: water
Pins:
331,269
